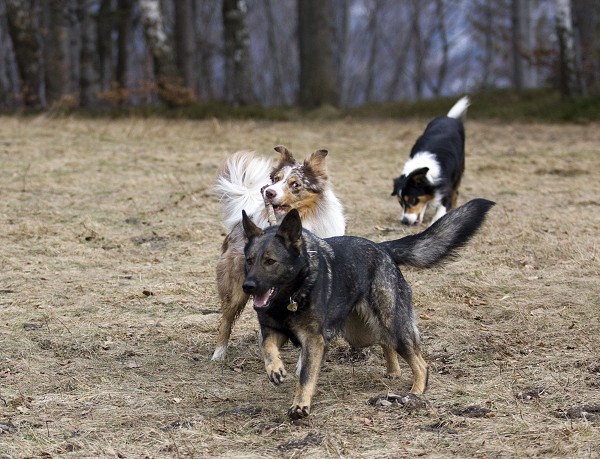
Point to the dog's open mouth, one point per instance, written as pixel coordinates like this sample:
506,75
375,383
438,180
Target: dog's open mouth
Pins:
262,300
282,208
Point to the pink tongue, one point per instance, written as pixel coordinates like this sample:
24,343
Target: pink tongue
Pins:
261,300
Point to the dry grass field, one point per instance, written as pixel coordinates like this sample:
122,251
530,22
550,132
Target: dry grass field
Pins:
109,236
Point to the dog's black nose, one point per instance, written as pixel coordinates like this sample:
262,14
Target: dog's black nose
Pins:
405,221
270,194
249,286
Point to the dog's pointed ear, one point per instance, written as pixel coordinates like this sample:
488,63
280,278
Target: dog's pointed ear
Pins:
286,155
250,229
398,185
290,231
317,158
419,175
315,164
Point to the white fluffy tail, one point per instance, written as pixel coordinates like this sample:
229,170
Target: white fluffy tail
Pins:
459,109
238,186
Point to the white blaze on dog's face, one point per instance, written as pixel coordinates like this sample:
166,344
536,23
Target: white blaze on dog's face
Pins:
296,185
413,208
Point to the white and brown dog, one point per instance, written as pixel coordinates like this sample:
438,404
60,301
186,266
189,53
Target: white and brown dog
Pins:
289,185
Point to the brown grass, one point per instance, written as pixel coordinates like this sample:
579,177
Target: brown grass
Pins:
109,236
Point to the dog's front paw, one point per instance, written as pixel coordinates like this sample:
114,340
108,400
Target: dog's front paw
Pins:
276,373
298,412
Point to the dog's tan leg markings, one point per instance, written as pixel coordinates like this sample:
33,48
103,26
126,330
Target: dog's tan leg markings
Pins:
419,369
272,342
391,362
230,278
313,349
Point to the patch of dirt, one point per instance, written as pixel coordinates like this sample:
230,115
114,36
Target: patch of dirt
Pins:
587,412
473,411
310,439
409,402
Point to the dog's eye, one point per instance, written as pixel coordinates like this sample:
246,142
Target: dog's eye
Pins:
249,261
295,185
269,262
411,201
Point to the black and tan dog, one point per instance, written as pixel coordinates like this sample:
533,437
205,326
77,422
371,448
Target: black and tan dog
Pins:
308,290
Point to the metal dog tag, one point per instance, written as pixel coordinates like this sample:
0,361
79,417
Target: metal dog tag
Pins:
293,306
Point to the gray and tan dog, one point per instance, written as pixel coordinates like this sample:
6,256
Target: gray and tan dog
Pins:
308,290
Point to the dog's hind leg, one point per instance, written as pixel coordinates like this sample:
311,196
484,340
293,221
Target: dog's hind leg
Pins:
419,368
229,312
230,277
391,361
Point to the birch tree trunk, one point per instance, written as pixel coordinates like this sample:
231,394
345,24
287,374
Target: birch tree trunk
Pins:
170,87
238,76
564,30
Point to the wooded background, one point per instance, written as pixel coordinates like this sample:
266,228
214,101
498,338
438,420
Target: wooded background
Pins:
111,53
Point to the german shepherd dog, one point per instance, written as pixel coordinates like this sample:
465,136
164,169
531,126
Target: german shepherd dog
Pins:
308,290
245,182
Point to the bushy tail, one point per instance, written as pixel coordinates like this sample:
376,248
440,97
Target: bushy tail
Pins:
459,109
442,240
238,186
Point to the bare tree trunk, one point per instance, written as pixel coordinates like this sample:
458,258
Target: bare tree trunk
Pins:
517,58
276,67
373,31
523,73
419,73
57,51
436,87
587,21
170,88
105,25
238,75
23,18
564,30
89,79
488,47
184,41
341,44
317,73
123,39
207,51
